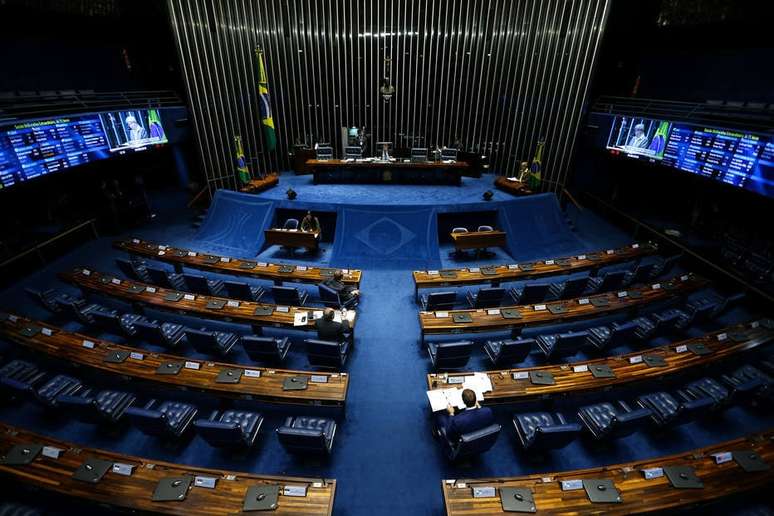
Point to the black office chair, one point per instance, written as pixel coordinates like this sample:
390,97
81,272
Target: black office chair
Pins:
438,301
289,296
230,429
327,354
307,435
243,291
530,293
458,253
449,355
507,352
488,297
544,430
573,287
167,419
473,443
266,349
484,252
201,285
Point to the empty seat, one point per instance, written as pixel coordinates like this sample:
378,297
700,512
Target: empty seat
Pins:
449,355
265,349
230,429
165,279
242,290
666,320
608,420
101,407
332,299
608,281
488,297
167,334
544,430
558,344
573,287
166,419
127,322
19,376
323,353
602,337
290,224
750,379
708,388
507,352
458,253
640,274
108,319
59,385
438,301
78,309
530,293
472,443
134,269
201,285
485,227
666,410
459,230
307,435
666,265
211,342
694,313
48,299
646,328
289,296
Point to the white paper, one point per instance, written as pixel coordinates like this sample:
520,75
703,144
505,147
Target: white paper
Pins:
623,293
191,253
300,318
441,315
86,272
283,309
442,398
162,247
317,314
162,253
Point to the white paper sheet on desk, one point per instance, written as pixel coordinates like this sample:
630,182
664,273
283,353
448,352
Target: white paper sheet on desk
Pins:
300,318
478,383
442,398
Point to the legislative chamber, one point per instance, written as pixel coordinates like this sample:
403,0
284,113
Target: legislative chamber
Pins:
394,257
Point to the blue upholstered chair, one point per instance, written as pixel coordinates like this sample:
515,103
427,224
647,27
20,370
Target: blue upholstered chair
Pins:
751,380
544,430
243,291
530,293
59,385
108,319
331,298
488,297
558,344
323,353
134,269
78,309
169,419
709,388
471,444
449,355
667,410
307,435
665,265
507,352
603,337
201,285
290,224
167,334
608,281
48,299
18,377
573,287
266,349
95,407
165,279
211,342
438,301
230,429
612,420
289,296
642,273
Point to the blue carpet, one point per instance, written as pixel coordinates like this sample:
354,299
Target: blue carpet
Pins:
385,459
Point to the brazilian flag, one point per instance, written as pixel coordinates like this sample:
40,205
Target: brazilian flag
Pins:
242,171
154,124
263,101
533,178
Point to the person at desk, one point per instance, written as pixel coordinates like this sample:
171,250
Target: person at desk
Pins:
345,292
329,329
311,224
472,418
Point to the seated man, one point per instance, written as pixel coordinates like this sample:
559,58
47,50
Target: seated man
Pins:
345,292
329,329
473,417
311,224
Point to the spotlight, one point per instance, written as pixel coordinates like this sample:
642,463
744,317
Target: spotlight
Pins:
291,194
488,195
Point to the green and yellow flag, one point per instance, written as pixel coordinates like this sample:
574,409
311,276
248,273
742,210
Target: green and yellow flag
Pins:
263,100
242,171
533,178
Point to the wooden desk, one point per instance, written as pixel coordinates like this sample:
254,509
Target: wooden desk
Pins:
478,239
429,172
68,347
135,492
260,184
276,272
638,495
497,274
629,368
291,238
516,188
233,310
489,320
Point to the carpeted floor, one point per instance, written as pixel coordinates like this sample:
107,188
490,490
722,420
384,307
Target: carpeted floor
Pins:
385,459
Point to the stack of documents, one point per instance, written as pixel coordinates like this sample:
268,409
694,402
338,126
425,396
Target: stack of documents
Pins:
442,398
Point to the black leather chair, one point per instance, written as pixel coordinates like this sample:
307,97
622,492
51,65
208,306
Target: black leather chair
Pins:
488,297
211,342
167,334
707,388
608,281
667,410
530,293
165,279
544,430
266,349
507,352
323,353
307,435
573,287
640,274
59,385
449,355
95,408
438,301
471,444
666,265
134,269
201,285
167,419
289,296
608,420
243,291
230,429
331,298
559,344
603,337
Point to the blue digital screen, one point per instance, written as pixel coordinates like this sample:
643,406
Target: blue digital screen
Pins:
32,149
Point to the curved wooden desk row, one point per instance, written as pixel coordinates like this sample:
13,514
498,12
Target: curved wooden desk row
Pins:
275,272
515,385
259,383
231,310
513,187
514,317
744,464
527,270
53,467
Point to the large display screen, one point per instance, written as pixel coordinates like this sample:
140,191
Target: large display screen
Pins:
32,149
738,158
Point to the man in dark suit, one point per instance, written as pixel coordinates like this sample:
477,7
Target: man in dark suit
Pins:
345,292
474,417
329,329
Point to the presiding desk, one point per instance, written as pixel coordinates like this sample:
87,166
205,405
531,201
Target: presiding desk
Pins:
293,238
397,171
632,492
254,383
131,486
278,273
512,186
516,317
478,239
496,274
515,385
259,315
260,184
